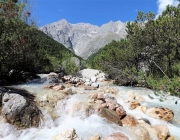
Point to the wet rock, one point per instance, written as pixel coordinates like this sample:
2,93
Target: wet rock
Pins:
117,136
87,83
170,138
68,91
49,86
141,132
20,111
89,88
100,96
99,102
93,79
160,113
139,98
97,137
69,134
96,85
58,87
162,131
111,102
133,104
93,96
82,108
110,116
120,112
129,120
145,120
104,105
111,90
152,131
141,108
53,78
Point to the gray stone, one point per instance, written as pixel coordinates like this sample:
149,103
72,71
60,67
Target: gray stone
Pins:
96,85
19,111
93,79
110,116
83,38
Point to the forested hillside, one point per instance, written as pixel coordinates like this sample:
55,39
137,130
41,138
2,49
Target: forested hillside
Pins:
149,55
22,45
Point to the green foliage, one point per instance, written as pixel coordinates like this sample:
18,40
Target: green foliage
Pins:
22,45
70,67
152,42
167,85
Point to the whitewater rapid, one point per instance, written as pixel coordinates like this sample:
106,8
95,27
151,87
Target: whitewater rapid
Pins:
87,126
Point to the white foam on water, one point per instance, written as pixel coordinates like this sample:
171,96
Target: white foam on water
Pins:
87,126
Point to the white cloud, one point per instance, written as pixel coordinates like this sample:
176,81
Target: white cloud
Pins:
163,3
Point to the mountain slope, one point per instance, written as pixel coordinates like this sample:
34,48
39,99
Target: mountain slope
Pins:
84,39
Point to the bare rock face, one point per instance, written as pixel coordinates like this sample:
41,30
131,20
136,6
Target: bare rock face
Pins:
160,113
117,136
129,120
83,38
110,116
19,111
69,134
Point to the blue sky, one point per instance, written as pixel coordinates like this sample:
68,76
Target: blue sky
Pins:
96,12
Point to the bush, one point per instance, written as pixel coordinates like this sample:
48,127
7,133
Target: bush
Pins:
70,67
164,84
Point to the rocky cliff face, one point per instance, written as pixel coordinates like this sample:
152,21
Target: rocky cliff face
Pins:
84,39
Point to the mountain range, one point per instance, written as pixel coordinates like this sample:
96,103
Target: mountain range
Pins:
84,39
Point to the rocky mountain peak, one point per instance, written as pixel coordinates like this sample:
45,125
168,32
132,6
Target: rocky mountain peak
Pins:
83,38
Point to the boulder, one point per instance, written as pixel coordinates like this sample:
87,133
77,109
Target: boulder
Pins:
93,96
100,96
133,104
69,134
141,132
117,136
123,80
96,85
58,87
68,91
81,108
110,116
52,78
139,98
20,111
120,112
111,102
162,131
93,79
129,120
152,131
160,113
87,83
141,109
